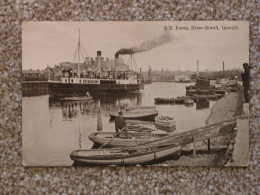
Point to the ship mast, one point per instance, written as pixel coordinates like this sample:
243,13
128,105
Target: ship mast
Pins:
79,54
131,61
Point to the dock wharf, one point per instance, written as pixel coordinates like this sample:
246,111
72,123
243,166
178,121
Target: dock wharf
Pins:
32,86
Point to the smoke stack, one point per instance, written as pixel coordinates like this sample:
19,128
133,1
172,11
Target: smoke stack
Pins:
223,66
99,61
116,60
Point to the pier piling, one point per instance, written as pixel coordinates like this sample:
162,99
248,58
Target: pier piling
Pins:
209,145
194,145
99,120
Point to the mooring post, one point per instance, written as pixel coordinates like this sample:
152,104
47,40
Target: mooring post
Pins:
99,120
194,145
209,145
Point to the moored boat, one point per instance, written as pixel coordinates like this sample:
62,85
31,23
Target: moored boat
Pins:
189,101
100,138
143,114
165,123
97,76
151,152
131,156
141,108
77,98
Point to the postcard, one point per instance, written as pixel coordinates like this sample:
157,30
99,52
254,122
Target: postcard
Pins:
159,93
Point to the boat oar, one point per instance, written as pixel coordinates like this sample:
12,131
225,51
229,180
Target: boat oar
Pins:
111,138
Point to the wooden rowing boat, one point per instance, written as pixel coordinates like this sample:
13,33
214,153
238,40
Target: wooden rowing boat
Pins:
165,123
154,150
136,114
100,138
75,98
132,156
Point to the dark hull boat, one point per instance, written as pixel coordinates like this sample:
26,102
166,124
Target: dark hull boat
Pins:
113,156
75,98
136,114
187,99
100,138
104,86
95,77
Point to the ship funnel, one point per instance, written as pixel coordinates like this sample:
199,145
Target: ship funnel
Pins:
116,60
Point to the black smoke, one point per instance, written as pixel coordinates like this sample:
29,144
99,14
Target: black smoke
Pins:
146,45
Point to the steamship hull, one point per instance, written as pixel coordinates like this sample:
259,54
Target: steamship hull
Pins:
66,88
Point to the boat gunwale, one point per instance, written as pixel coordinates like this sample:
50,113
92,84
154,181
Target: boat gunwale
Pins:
141,115
121,142
138,152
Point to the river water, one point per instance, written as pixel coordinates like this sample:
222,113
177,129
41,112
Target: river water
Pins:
52,128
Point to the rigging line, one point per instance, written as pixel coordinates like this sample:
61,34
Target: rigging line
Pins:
84,50
135,64
75,54
82,55
128,61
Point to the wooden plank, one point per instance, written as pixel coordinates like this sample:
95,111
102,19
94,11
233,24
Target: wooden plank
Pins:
187,137
204,133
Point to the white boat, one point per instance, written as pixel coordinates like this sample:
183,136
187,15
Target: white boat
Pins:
189,101
165,123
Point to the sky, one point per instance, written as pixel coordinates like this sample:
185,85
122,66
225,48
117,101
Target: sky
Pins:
49,43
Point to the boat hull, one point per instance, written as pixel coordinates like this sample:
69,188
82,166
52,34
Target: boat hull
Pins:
104,87
136,115
152,108
75,98
165,125
100,138
122,157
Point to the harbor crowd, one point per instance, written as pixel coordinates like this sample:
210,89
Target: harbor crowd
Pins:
102,75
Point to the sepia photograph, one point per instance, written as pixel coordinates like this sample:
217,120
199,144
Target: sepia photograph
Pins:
159,93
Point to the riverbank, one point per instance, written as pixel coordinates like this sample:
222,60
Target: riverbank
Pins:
227,107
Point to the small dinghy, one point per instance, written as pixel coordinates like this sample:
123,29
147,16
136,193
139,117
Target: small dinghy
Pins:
100,138
165,123
189,101
139,114
76,98
128,156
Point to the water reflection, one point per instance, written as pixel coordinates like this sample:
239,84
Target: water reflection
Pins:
108,102
203,104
